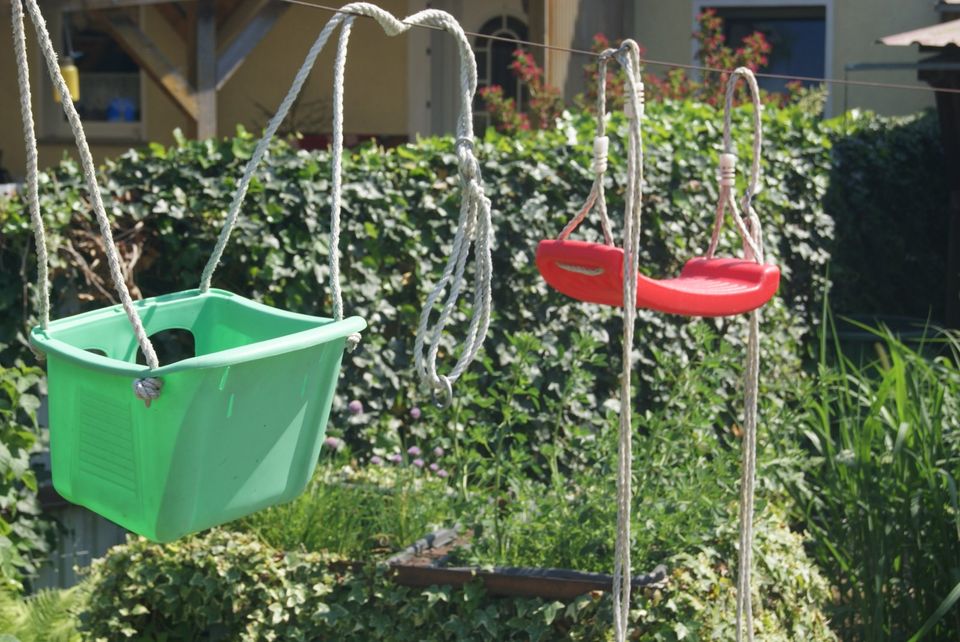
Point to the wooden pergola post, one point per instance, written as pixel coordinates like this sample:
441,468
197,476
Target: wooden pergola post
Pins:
242,25
205,55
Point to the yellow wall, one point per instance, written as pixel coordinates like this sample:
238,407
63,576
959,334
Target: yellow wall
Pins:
664,27
375,99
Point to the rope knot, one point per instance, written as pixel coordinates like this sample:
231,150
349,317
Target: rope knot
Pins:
728,169
600,146
353,340
469,167
147,389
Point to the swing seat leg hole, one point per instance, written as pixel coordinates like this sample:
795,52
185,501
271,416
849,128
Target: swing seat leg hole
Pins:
172,345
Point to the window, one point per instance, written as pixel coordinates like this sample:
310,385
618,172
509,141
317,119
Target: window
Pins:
494,58
797,35
111,101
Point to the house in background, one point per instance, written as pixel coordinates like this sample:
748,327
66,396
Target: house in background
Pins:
205,66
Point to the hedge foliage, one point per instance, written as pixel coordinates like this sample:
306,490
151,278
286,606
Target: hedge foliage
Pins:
400,209
23,532
229,586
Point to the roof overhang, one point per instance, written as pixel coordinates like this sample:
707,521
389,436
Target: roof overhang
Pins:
944,34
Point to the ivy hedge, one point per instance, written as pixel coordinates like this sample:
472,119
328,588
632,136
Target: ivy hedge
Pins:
230,586
400,209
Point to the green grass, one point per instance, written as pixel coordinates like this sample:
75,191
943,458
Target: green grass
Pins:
357,515
880,496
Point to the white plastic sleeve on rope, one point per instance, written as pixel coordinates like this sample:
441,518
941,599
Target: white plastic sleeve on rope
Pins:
728,169
628,108
600,146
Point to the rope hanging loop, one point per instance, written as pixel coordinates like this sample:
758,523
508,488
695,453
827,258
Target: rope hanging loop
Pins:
474,227
750,230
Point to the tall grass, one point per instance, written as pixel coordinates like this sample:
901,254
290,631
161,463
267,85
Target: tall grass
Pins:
880,497
359,518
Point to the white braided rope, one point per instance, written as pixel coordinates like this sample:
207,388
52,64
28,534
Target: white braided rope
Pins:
30,142
629,57
601,143
89,174
752,237
749,231
339,71
474,224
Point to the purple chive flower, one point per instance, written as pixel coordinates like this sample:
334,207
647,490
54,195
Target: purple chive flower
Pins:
417,462
434,466
395,458
376,460
442,474
415,413
438,452
414,451
355,407
333,442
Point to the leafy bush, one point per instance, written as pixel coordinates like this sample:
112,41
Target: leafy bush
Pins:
880,496
228,586
888,193
23,532
167,205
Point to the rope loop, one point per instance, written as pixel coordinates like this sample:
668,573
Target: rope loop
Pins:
601,142
474,224
749,230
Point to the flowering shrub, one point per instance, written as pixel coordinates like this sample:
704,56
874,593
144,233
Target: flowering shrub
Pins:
713,52
545,103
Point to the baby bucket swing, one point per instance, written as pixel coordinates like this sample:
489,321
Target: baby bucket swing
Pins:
707,286
239,426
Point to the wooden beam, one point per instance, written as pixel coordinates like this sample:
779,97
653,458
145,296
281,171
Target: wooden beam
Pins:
206,57
176,17
237,19
237,50
93,5
153,61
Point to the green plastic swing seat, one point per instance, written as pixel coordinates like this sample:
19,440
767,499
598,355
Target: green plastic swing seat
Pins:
236,428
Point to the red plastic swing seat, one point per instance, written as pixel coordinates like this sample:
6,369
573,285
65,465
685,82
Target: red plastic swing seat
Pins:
593,272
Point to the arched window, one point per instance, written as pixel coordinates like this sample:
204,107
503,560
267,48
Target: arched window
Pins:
493,61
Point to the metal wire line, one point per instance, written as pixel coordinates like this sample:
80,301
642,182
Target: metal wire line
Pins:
662,63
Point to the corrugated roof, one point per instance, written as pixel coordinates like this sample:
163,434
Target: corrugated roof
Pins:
941,35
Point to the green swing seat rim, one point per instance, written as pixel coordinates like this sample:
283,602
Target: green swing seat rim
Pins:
326,330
